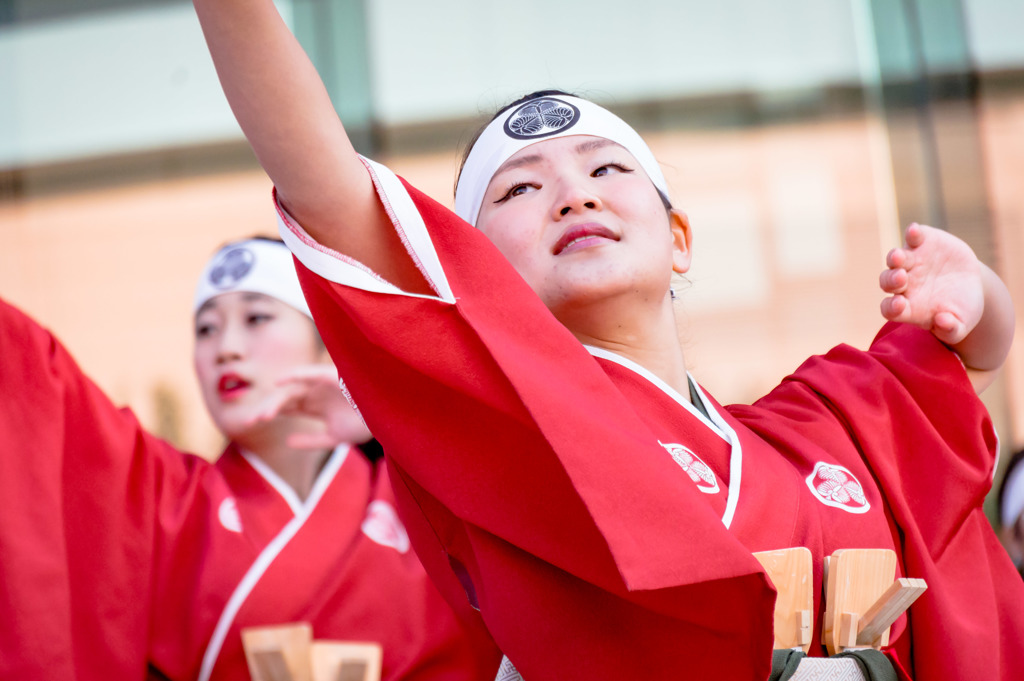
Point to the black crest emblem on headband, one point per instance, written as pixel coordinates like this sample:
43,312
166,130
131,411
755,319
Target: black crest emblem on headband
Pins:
232,267
540,118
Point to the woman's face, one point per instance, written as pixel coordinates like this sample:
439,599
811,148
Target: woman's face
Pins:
245,342
580,220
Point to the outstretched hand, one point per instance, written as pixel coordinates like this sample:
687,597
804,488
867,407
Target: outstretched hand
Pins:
313,392
935,282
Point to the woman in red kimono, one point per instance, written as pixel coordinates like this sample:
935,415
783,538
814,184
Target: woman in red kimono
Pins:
556,466
125,558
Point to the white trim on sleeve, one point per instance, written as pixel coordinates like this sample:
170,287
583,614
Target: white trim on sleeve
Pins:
341,269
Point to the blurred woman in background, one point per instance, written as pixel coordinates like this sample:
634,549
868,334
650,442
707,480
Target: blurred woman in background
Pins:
123,557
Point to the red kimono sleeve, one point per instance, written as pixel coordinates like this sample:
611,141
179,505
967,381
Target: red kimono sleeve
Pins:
83,490
912,414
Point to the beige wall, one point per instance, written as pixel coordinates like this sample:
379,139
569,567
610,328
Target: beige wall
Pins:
1002,129
111,273
791,223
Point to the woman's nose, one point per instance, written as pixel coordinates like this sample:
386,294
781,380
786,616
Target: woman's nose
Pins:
232,345
575,198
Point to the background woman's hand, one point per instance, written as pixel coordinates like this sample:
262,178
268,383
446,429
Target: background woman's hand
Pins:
314,392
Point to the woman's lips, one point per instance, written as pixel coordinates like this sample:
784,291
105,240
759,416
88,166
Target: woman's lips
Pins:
582,236
231,387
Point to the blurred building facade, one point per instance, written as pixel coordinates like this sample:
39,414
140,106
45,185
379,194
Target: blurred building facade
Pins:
798,135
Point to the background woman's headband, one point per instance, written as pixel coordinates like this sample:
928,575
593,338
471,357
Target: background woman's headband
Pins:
252,266
535,121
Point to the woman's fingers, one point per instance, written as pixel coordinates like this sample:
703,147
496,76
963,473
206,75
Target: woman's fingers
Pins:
915,235
894,280
277,402
949,328
314,373
895,308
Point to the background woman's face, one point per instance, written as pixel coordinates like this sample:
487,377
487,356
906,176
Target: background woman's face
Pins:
245,342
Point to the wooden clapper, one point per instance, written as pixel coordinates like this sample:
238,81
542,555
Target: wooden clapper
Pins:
289,653
862,597
792,573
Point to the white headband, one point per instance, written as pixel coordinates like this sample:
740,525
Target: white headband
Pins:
1013,496
535,121
255,266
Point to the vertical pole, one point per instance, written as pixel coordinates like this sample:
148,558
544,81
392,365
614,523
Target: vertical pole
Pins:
335,34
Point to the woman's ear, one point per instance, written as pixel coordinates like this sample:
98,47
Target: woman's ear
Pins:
679,223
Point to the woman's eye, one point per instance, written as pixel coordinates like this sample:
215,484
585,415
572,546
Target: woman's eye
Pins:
258,318
204,330
610,168
516,190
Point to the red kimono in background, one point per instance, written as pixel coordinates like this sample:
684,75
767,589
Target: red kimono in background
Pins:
603,527
121,557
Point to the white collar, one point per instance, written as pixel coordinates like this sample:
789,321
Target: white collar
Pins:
717,423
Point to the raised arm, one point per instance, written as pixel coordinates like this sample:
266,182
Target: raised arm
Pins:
287,116
937,283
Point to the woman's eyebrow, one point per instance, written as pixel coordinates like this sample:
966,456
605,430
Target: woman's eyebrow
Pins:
210,304
581,148
513,163
592,144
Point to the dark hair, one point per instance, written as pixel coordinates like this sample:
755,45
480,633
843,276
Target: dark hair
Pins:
264,237
254,237
522,100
